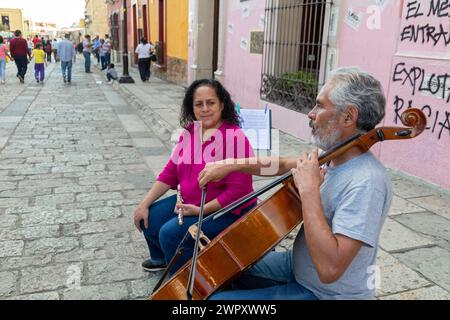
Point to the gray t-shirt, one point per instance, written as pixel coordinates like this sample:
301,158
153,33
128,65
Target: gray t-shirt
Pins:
356,197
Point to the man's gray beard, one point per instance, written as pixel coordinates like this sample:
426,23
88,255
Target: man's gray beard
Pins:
327,142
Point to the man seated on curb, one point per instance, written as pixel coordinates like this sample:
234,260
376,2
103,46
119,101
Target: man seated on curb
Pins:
111,74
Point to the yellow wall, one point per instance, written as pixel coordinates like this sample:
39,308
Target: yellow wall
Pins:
177,28
15,18
153,20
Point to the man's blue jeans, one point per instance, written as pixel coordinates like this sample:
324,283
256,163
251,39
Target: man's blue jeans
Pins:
103,62
270,279
164,234
67,65
87,61
108,59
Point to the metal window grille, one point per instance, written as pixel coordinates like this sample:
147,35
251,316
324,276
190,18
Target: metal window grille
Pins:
115,31
5,23
294,54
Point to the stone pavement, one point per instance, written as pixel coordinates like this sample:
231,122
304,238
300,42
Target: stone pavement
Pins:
71,174
76,159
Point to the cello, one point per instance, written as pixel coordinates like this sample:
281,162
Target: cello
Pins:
247,240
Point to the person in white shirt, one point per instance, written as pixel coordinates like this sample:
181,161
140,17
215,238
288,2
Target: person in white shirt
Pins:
55,49
144,50
30,45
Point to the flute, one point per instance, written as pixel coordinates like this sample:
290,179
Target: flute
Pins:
180,217
180,211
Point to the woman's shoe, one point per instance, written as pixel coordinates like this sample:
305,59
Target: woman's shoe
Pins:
149,265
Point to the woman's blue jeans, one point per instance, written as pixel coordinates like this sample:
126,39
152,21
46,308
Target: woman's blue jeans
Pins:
164,234
2,69
270,279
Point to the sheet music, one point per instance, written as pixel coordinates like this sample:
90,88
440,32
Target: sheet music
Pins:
257,124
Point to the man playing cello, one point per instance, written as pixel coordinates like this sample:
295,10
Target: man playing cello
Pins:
344,206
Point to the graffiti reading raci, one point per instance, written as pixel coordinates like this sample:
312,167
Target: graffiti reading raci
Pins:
418,80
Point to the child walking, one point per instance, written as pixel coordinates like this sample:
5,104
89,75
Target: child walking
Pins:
39,62
3,55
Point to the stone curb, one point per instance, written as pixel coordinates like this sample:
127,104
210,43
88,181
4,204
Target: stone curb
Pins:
151,117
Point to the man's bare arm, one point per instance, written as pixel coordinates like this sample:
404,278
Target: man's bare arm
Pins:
259,166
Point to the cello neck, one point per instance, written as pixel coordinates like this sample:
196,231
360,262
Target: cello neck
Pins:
414,120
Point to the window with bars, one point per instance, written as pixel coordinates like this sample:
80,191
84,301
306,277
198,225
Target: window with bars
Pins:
114,22
294,54
5,23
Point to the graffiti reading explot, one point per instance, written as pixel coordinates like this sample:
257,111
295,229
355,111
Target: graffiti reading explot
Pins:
437,85
418,80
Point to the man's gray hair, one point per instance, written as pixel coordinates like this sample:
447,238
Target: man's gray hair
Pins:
351,86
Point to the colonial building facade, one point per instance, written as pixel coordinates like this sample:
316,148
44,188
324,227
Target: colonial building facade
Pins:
96,21
169,33
11,20
164,23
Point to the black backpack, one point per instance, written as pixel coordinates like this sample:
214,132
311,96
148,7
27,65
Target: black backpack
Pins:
80,47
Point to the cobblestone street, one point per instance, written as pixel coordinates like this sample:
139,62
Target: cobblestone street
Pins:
76,159
71,173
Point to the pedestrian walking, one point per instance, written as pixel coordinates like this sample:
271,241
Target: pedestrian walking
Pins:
36,40
39,63
107,46
66,54
96,45
144,50
48,50
87,51
30,45
19,51
4,54
55,49
75,49
102,53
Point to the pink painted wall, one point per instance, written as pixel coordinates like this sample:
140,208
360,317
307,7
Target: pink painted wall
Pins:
369,45
383,44
393,54
369,48
243,69
420,78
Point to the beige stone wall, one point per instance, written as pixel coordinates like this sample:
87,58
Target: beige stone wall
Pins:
176,71
98,18
15,18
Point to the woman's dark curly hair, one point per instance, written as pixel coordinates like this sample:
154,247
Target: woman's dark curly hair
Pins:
229,113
